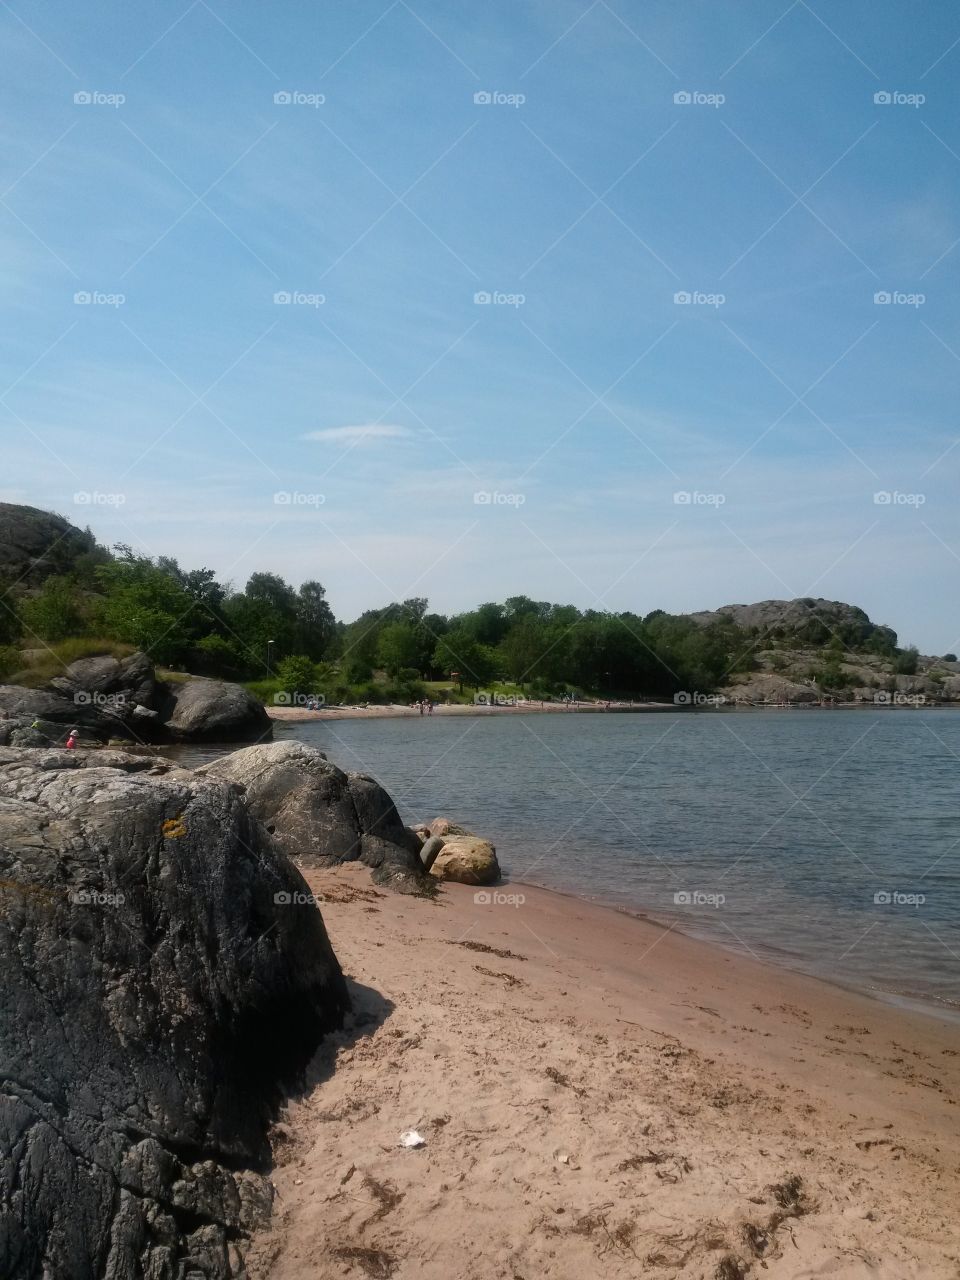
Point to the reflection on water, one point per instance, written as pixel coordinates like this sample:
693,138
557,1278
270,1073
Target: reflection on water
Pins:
828,840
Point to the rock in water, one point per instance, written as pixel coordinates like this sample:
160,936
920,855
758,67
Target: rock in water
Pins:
217,711
166,975
467,860
320,815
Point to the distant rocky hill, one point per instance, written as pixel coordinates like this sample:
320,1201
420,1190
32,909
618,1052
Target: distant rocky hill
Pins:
35,544
810,620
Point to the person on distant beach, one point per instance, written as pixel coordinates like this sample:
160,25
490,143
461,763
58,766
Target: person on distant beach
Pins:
420,706
72,739
430,708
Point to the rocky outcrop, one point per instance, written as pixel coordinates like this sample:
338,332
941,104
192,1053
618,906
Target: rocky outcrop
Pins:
806,618
109,698
321,816
35,544
166,976
467,860
766,687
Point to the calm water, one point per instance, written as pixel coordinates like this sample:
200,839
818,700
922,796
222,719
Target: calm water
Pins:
791,822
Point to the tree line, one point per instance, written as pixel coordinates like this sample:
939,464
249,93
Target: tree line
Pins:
272,632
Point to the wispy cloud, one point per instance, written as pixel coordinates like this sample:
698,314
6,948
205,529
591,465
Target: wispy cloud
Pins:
359,434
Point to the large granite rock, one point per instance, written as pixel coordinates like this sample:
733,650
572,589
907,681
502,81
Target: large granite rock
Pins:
217,711
321,816
467,860
109,698
166,976
105,681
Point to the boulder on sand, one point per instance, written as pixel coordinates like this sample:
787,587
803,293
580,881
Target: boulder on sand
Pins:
321,816
467,860
166,976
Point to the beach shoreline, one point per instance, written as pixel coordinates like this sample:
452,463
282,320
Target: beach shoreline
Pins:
597,1090
394,711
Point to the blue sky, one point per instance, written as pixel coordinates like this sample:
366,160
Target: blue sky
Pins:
345,434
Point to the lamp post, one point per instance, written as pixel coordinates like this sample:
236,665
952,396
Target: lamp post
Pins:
270,644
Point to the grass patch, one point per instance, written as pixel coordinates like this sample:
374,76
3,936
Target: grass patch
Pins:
42,665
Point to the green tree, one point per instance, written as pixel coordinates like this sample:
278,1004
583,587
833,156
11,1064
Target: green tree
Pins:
316,626
298,674
145,606
397,647
905,663
458,651
54,612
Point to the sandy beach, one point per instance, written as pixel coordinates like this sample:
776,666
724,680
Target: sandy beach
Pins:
600,1095
380,711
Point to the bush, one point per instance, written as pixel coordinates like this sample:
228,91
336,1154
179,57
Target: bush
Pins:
298,675
9,660
54,613
215,656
